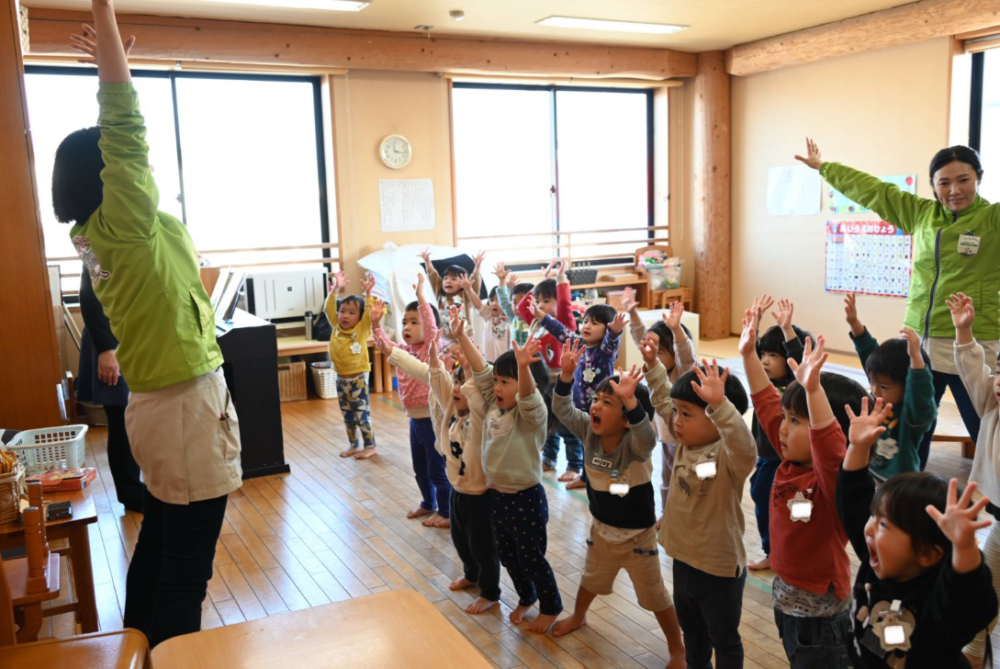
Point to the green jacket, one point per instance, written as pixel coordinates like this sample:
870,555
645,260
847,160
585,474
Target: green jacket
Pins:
142,262
896,449
938,268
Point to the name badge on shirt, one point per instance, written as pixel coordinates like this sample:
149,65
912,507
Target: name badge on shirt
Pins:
619,485
968,245
355,348
801,507
706,469
892,625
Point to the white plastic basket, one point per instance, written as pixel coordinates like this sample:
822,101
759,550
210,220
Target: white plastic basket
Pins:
51,448
325,379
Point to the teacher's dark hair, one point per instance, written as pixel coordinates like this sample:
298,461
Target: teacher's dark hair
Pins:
77,190
962,154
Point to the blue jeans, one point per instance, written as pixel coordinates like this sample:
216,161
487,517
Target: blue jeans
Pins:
428,468
760,492
574,448
816,643
709,610
965,409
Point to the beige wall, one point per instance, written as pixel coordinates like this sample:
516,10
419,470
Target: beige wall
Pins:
367,106
885,112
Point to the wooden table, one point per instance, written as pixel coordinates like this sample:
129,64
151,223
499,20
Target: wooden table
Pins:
124,648
290,345
392,629
75,531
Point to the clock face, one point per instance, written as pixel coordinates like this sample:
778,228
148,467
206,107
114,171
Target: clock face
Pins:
395,151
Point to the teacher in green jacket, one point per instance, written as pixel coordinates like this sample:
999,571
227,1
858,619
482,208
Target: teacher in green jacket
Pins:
180,419
956,248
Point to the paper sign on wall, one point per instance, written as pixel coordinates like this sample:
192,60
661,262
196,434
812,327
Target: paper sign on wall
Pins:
835,202
406,204
872,257
793,191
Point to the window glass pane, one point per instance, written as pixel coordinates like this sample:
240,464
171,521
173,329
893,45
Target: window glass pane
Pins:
603,168
503,170
990,137
59,104
251,177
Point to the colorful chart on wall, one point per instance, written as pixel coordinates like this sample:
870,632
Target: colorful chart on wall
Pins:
872,257
835,202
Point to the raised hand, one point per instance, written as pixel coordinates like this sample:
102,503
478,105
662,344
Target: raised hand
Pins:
456,322
527,354
87,43
477,259
426,256
535,309
564,265
368,283
958,522
626,384
711,386
672,317
851,314
384,345
377,312
649,347
812,157
761,304
783,316
963,311
432,350
866,427
418,287
618,323
628,299
512,280
338,281
913,347
548,269
500,272
748,338
571,353
464,282
807,373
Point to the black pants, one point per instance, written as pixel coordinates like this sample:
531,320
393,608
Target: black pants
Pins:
709,609
519,521
171,567
476,543
124,470
965,409
816,643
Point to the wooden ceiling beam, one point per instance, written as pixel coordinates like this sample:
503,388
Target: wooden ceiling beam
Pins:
913,22
170,38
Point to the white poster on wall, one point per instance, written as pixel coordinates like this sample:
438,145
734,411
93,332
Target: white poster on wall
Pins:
793,191
407,204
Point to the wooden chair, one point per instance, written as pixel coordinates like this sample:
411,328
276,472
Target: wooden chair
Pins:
661,299
27,582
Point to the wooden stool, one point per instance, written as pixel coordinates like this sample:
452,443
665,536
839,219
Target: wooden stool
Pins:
27,582
661,299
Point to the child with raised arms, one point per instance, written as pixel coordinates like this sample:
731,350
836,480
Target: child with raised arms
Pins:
448,290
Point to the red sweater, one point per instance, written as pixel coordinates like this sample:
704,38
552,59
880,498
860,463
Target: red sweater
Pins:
808,555
551,347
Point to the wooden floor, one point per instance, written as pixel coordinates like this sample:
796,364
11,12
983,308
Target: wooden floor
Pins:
335,529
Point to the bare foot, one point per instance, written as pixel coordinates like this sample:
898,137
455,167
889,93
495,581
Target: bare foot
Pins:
350,452
677,661
366,453
546,467
569,475
460,583
517,615
567,625
430,521
480,605
578,482
439,522
759,565
541,623
417,512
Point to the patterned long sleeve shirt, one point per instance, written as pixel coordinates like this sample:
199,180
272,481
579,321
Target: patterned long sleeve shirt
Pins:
596,364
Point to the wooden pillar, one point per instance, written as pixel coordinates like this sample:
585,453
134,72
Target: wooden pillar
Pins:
29,356
711,215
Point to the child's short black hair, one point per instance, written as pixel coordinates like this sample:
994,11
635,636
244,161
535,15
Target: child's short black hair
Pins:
666,335
600,313
545,290
77,189
903,500
641,394
522,289
454,270
684,390
415,306
839,390
352,299
493,293
891,360
773,340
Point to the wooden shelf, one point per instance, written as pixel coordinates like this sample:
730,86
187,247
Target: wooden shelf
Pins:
608,284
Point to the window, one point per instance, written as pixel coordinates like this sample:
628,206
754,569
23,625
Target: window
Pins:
546,159
984,126
238,158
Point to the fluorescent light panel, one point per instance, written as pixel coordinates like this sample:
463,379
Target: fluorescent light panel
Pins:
606,24
330,5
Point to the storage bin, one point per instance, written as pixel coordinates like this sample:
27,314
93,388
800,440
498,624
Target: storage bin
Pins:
50,448
292,381
581,276
11,489
324,379
663,276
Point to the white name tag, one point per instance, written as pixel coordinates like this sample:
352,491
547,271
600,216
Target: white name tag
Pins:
895,635
968,245
705,470
802,510
620,489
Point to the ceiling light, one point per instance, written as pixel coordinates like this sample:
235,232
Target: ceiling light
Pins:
616,26
331,5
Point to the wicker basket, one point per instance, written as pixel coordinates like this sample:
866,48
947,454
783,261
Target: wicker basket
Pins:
581,276
292,381
11,489
324,379
50,448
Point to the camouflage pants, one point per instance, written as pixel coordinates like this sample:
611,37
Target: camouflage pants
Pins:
353,397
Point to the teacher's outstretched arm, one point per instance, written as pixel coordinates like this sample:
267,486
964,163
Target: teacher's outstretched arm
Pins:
812,157
103,43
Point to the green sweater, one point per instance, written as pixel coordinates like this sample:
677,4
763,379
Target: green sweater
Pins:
938,268
896,449
142,261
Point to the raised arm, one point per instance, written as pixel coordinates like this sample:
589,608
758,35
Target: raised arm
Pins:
807,374
959,524
783,317
471,293
564,301
612,336
576,421
473,356
111,54
756,376
432,273
525,356
740,449
864,343
970,358
503,297
376,313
